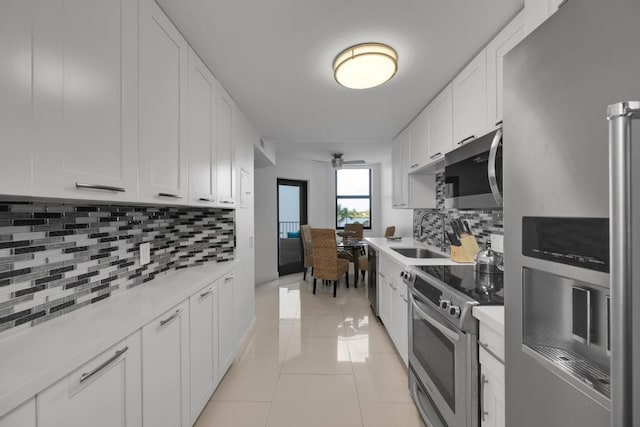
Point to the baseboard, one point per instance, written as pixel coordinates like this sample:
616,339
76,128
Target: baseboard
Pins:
244,340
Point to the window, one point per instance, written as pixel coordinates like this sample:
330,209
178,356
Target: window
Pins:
353,197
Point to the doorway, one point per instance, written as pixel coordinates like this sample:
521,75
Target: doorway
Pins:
292,212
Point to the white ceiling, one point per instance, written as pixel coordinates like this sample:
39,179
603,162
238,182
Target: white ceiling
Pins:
275,59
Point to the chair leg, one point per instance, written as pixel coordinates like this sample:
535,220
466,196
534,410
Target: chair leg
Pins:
346,279
363,275
304,275
335,286
314,285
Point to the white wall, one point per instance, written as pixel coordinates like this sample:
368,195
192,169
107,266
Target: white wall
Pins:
401,218
321,197
244,137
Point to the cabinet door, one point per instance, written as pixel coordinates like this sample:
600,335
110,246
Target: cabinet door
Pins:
470,101
165,369
203,344
226,324
163,89
202,137
400,156
384,298
224,141
401,321
105,392
439,117
418,147
15,97
85,99
506,40
492,391
22,416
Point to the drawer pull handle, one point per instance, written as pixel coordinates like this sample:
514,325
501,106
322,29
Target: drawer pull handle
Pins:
415,165
108,362
491,352
436,155
206,199
100,187
382,274
229,202
204,294
229,277
173,316
170,195
466,139
499,123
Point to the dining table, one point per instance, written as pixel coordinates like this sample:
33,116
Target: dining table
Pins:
355,246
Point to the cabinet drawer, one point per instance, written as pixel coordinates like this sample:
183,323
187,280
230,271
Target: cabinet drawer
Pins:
492,341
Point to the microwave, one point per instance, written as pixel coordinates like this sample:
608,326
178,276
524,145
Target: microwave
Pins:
473,174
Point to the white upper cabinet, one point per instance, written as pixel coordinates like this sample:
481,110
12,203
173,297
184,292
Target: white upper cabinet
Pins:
399,159
22,416
225,179
202,132
419,131
470,101
439,124
163,113
506,40
15,97
85,85
538,11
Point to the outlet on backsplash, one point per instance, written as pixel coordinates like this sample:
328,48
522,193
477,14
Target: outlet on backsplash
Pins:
145,253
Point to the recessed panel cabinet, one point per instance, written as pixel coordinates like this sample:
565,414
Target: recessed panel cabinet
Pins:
439,124
470,101
226,322
104,392
85,84
225,179
165,369
15,96
203,343
163,113
201,132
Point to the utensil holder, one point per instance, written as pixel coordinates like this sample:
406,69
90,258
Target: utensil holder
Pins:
467,251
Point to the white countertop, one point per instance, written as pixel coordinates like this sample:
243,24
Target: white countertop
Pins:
383,244
491,315
35,358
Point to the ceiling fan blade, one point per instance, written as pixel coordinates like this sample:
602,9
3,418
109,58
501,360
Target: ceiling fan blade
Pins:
354,162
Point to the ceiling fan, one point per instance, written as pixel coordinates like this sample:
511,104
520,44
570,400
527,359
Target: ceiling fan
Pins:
337,161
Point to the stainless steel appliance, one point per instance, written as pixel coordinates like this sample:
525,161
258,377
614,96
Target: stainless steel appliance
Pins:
473,173
443,341
372,285
558,83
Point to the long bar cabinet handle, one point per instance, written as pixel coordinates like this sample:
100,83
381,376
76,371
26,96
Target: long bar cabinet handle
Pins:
108,362
170,195
100,187
173,316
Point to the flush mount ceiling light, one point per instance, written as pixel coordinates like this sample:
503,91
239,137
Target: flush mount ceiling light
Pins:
366,65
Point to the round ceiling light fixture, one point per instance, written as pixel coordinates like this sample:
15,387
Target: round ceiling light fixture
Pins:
365,65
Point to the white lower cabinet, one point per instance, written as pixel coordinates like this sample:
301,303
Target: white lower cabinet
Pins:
203,346
22,416
392,304
165,369
104,392
492,413
226,316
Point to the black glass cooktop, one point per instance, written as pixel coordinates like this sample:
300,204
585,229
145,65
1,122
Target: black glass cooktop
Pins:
486,289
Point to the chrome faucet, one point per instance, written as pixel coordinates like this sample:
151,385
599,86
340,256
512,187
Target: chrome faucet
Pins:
421,227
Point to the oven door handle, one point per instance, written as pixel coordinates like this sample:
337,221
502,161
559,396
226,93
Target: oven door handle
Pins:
493,179
439,326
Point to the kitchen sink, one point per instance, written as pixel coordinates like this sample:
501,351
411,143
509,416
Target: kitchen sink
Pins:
418,253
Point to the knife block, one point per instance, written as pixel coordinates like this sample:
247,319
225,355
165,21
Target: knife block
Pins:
467,251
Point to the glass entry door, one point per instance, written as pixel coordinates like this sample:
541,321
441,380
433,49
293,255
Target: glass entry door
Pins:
292,212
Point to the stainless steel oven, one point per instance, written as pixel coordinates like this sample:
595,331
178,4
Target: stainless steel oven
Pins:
443,342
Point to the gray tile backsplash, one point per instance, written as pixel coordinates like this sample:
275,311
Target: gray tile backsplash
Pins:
482,222
56,258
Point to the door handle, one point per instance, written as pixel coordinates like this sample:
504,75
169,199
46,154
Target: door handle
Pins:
483,381
103,365
443,329
466,139
170,195
493,180
173,316
100,187
229,277
436,155
206,199
207,292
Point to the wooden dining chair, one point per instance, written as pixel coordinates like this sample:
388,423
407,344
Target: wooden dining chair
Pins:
305,233
326,264
358,230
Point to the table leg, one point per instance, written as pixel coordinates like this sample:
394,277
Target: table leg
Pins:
355,251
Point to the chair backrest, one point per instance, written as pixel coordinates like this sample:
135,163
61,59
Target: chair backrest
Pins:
390,231
325,252
305,233
358,229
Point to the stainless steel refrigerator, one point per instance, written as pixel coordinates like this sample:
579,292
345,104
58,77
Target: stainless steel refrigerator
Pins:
572,339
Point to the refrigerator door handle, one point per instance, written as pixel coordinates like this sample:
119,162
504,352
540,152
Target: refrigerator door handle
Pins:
493,179
620,116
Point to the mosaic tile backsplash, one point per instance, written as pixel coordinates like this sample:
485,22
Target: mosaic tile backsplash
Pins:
56,258
427,223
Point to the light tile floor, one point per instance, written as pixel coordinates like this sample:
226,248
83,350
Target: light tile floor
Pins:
313,361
